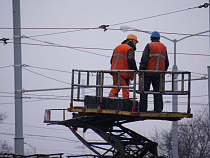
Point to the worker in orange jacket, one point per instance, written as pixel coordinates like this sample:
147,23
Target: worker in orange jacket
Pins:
123,58
154,57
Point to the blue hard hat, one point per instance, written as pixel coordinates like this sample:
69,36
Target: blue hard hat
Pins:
155,34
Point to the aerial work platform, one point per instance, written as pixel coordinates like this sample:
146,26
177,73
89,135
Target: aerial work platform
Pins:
105,116
97,81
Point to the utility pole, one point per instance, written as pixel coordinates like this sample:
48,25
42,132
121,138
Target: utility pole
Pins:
209,91
175,99
19,140
175,109
209,67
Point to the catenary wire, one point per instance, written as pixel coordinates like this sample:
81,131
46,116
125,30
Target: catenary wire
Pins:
52,44
195,96
56,33
47,89
48,69
192,72
70,88
152,102
81,29
6,66
45,76
44,136
68,47
113,29
156,15
12,103
196,73
100,49
49,43
44,128
44,98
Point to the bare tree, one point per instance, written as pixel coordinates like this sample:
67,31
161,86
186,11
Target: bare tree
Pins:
164,140
4,146
2,116
193,138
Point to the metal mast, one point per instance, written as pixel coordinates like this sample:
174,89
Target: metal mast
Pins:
209,91
175,109
19,140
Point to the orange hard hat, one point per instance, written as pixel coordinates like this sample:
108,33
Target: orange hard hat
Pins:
132,36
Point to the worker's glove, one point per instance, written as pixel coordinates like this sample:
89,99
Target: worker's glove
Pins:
140,75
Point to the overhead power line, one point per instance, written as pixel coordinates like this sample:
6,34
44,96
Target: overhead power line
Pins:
79,49
205,5
204,76
45,76
52,138
6,66
48,69
75,48
113,29
56,33
49,28
31,101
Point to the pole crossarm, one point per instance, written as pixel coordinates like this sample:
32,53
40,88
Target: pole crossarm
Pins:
192,35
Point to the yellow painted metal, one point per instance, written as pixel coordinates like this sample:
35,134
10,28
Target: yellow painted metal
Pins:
139,114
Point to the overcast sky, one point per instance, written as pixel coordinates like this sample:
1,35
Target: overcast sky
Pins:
193,55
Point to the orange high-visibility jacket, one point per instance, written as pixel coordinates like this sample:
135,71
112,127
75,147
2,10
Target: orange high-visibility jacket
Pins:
120,61
157,56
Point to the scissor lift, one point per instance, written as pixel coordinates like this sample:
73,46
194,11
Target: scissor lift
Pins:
106,116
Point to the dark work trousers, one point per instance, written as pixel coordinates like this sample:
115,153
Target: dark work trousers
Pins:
158,100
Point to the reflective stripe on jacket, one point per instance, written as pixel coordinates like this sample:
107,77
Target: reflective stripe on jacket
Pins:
120,61
157,56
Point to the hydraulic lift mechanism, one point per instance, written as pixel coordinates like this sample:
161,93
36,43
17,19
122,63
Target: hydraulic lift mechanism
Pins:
105,116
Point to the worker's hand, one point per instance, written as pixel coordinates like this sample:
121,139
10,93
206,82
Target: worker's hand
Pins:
140,75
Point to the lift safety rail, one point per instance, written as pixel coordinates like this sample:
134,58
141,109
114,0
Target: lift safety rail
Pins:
100,84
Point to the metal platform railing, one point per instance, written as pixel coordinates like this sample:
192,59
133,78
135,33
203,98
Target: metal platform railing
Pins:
98,79
117,139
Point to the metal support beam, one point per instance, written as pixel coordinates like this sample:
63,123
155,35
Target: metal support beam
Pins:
83,141
118,141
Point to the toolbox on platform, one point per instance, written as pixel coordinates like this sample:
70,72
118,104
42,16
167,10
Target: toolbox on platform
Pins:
92,102
111,103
